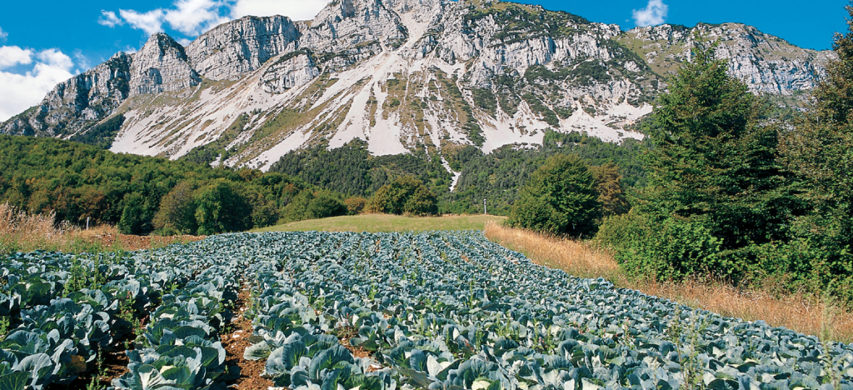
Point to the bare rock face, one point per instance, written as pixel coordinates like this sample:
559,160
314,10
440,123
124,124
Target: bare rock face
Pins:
345,25
289,71
402,75
767,64
77,103
233,49
161,66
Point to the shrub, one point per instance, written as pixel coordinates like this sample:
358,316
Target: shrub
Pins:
308,205
671,249
405,195
325,205
355,205
560,198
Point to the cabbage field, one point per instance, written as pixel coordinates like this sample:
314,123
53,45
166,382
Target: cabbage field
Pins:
443,310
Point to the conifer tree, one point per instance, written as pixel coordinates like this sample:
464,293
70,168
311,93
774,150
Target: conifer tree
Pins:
713,160
820,151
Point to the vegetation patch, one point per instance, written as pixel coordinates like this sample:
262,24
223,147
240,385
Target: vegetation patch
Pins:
208,153
101,134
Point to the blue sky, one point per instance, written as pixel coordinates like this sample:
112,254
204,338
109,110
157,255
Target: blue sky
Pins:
43,43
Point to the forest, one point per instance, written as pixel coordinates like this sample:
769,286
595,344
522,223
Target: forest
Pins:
146,194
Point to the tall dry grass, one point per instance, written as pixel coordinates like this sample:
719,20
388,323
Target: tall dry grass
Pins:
20,231
799,312
24,232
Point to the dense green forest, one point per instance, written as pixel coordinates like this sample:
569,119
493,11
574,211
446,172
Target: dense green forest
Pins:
351,170
143,194
496,177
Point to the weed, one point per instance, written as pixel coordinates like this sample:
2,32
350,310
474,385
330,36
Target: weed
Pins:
832,374
5,324
80,276
100,373
685,336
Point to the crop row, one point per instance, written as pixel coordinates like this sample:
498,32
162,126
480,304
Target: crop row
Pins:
180,347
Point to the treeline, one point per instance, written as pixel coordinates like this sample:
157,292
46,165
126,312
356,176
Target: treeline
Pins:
147,194
351,170
730,193
496,177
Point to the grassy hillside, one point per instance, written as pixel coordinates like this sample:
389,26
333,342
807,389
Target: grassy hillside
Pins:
387,223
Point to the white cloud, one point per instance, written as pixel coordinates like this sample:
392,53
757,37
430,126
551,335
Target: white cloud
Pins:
14,55
56,58
21,91
151,22
3,34
109,19
295,9
653,14
193,17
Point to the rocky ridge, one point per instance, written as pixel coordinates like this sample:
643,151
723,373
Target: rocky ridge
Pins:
399,74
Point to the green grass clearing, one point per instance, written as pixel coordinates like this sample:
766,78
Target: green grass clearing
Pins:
386,223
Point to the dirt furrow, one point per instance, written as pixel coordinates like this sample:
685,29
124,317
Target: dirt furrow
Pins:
247,373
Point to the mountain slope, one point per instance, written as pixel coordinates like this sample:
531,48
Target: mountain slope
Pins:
401,75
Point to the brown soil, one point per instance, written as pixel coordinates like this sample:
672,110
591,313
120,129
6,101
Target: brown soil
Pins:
358,352
236,342
115,365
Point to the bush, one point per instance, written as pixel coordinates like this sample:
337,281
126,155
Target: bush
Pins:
221,208
355,205
671,249
309,205
560,198
325,205
405,195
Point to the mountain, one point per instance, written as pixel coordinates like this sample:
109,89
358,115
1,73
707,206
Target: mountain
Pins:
402,75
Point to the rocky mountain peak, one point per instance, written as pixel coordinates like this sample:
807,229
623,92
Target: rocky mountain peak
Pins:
232,49
161,65
417,6
346,25
766,63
